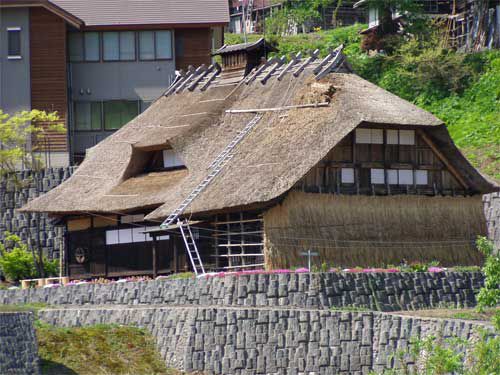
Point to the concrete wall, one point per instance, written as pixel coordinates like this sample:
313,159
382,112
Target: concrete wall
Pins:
383,292
492,213
15,88
14,196
271,341
18,345
134,80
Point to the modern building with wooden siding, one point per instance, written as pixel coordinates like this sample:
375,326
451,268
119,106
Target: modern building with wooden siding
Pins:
249,168
98,63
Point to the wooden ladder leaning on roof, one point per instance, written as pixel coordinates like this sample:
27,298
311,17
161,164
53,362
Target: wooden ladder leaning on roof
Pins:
214,169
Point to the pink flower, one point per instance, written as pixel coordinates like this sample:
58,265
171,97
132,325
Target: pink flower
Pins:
392,270
302,270
436,269
333,270
281,271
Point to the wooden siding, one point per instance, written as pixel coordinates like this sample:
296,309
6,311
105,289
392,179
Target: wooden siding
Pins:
192,47
49,72
325,177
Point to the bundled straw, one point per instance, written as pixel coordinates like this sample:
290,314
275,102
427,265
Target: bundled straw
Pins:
373,231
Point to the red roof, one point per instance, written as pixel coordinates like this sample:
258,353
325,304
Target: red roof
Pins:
137,12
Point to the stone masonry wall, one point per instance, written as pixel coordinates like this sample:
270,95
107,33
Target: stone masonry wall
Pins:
382,291
18,345
492,212
14,195
271,341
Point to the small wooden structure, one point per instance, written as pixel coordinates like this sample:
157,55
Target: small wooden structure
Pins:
244,56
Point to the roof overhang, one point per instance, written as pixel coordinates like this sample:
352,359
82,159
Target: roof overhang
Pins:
51,7
153,26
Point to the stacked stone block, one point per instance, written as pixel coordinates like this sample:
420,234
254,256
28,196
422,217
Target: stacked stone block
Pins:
375,291
15,191
492,212
246,340
18,345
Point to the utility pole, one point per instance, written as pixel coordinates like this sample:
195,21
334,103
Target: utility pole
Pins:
244,15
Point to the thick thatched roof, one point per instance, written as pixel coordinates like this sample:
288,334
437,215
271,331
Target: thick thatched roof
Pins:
281,149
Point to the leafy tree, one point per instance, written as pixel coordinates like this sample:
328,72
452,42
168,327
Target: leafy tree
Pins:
17,262
19,135
300,13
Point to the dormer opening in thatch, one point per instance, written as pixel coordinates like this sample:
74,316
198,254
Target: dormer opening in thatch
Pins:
245,56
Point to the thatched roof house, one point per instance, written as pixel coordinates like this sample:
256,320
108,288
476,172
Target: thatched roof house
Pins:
207,108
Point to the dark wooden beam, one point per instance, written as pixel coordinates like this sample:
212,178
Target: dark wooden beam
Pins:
443,159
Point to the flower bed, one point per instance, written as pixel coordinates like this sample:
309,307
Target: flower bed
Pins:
186,275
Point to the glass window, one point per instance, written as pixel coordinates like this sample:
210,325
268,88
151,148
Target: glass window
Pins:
110,46
82,116
92,46
75,43
88,116
146,45
14,42
127,45
118,112
96,116
163,45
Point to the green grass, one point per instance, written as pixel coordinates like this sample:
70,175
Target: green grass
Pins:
96,350
456,313
33,307
463,90
350,309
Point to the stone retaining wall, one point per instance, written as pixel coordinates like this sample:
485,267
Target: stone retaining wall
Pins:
271,341
18,345
32,228
492,212
382,291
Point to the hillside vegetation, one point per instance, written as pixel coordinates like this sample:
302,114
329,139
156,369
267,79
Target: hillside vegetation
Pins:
98,349
463,90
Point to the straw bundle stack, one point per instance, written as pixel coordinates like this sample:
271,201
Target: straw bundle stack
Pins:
373,231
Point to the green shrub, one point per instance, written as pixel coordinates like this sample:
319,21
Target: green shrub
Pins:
17,262
489,295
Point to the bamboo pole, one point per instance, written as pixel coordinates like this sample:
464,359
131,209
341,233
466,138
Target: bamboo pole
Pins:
276,109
